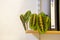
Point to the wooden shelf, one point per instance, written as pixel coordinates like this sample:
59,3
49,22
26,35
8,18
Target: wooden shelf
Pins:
48,32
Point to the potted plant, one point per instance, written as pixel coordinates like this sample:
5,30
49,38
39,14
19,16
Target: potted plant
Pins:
40,22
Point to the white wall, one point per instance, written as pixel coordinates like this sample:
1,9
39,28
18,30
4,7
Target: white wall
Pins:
11,27
46,6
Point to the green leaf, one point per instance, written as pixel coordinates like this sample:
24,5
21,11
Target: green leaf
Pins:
23,21
43,23
33,21
27,15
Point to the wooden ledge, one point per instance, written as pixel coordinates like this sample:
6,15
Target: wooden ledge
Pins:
48,32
